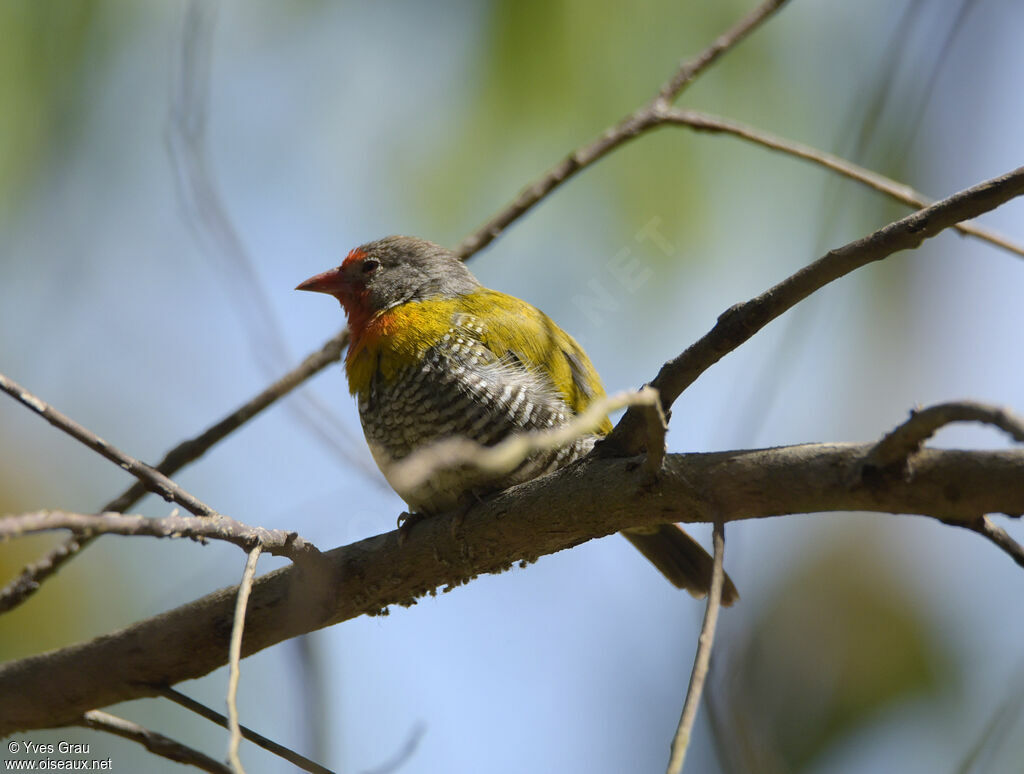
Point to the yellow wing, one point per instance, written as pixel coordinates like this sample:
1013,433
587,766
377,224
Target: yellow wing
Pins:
514,328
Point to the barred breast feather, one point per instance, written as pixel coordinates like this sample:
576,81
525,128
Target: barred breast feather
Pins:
471,378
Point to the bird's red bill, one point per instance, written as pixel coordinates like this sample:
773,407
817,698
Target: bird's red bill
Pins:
330,281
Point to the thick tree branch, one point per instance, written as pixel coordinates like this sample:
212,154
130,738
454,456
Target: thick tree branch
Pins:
593,498
739,323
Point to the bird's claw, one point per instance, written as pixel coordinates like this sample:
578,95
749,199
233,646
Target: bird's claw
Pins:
458,518
406,521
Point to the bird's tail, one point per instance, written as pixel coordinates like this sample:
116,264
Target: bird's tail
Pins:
680,558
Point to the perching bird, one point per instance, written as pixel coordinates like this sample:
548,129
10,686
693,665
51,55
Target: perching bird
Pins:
434,354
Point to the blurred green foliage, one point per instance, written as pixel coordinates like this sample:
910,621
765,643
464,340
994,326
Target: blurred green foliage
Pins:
552,75
54,617
839,642
42,81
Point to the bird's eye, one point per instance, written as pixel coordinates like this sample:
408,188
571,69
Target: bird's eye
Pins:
370,265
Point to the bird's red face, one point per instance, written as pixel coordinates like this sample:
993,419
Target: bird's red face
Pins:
389,272
349,284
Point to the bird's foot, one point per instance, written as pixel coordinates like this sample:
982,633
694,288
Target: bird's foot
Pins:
458,517
406,521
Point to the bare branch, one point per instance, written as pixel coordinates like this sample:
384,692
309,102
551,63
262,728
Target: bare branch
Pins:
219,527
591,498
627,129
688,71
658,112
633,125
739,323
269,745
158,744
657,429
702,658
896,448
152,479
895,454
999,537
704,122
32,576
235,657
506,456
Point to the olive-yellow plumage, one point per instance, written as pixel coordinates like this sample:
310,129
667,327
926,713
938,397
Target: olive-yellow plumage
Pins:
434,354
407,332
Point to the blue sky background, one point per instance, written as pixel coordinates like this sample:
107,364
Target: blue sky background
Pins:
334,123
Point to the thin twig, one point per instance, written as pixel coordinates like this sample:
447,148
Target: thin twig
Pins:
739,323
199,528
899,445
631,126
896,450
151,478
269,745
688,71
705,122
156,743
235,658
702,658
423,464
657,429
33,575
658,112
999,537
